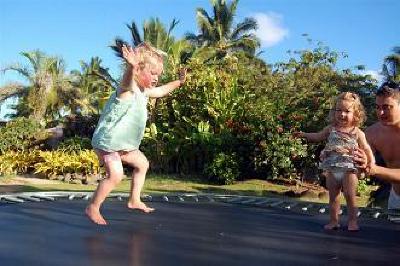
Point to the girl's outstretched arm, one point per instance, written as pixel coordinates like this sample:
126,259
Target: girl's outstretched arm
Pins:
166,89
315,137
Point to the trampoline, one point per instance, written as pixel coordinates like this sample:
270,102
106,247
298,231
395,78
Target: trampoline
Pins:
51,229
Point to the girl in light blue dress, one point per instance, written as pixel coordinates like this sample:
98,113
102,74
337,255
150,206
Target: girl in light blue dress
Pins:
120,130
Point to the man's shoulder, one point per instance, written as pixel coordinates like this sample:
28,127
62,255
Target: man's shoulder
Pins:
373,129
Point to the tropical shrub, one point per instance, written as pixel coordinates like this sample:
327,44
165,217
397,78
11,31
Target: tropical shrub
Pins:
75,144
224,169
21,134
53,163
18,162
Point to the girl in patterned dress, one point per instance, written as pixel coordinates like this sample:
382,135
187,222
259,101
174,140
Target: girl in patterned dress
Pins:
122,123
343,136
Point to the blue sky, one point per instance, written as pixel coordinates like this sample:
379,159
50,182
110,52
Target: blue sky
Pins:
77,30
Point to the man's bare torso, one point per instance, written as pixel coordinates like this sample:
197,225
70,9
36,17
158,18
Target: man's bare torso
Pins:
386,140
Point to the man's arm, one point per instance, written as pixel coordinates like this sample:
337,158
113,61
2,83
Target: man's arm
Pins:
388,174
391,175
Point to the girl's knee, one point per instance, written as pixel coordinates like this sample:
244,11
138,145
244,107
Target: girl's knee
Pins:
115,178
143,165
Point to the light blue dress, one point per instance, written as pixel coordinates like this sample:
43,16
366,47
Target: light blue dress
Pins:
121,125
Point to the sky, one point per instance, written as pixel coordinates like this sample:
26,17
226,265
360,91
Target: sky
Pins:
366,30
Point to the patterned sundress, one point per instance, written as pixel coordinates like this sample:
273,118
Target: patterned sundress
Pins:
337,152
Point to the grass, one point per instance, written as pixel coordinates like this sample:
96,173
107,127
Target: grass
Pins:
162,184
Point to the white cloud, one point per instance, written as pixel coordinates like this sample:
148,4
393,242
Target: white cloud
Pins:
270,29
374,74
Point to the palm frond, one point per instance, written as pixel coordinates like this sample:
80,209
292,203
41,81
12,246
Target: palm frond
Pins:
117,46
10,90
136,39
249,24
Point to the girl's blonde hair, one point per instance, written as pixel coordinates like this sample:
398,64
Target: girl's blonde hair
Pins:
358,108
150,56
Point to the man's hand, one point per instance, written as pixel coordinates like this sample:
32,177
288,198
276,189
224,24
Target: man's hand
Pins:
361,160
298,134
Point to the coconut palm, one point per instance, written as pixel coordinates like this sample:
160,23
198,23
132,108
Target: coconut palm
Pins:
46,77
154,32
217,30
391,65
94,83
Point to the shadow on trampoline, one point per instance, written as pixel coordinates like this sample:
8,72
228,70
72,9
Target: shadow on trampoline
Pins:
184,231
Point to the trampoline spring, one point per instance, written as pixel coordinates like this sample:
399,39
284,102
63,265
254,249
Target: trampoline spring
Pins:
86,197
289,206
305,208
262,202
394,219
248,201
234,200
165,198
210,199
376,215
45,197
276,203
148,197
13,199
181,199
29,198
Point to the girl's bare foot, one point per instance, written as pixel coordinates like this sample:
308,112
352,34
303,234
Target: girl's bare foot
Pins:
353,226
94,215
332,226
140,206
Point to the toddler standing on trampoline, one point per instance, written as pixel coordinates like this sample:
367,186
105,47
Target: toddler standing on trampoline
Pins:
121,126
343,136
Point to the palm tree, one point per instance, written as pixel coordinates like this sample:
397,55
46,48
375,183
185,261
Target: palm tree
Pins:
391,65
154,32
94,83
218,31
46,77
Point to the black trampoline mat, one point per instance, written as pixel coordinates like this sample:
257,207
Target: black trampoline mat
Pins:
187,233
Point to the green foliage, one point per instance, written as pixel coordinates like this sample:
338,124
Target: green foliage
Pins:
278,155
21,134
224,169
362,186
51,163
239,105
75,144
80,126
